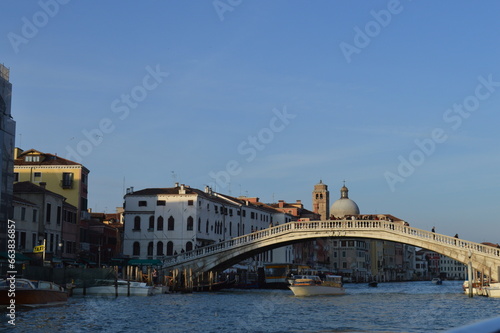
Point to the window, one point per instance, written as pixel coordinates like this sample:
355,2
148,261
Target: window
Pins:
161,203
32,158
23,213
67,180
150,249
170,249
171,223
137,249
143,203
137,223
16,176
22,241
199,224
159,223
59,213
37,174
189,246
151,223
190,202
159,248
47,213
190,223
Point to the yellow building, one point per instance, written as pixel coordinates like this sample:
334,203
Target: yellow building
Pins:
60,175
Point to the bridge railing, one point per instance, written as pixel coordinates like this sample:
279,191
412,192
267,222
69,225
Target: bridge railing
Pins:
334,226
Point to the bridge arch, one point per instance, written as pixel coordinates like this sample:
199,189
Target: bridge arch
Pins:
224,254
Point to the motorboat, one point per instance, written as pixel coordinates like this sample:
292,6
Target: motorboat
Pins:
477,288
115,288
493,290
311,285
437,281
31,293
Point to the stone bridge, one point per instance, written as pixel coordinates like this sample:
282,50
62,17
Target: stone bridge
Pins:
222,255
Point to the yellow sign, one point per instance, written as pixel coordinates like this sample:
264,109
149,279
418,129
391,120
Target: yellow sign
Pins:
39,248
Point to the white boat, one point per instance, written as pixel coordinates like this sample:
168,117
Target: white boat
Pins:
120,288
310,285
437,281
493,290
477,288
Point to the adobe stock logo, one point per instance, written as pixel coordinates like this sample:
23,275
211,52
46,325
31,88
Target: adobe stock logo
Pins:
251,146
30,28
373,28
453,116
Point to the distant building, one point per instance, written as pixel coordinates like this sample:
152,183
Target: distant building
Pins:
66,178
39,215
7,139
321,200
161,222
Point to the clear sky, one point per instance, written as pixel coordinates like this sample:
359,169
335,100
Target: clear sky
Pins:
400,99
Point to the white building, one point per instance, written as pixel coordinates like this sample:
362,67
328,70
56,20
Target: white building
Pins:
161,222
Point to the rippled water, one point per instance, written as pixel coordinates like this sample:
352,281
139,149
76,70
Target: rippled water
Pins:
392,307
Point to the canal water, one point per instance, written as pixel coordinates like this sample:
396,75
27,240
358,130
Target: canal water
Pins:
391,307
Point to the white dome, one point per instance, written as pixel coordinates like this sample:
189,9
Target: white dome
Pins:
344,206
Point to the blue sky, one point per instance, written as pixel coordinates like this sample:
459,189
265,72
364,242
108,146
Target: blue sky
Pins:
398,98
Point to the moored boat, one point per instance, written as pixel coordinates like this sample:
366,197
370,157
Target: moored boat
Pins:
310,285
493,290
115,288
31,293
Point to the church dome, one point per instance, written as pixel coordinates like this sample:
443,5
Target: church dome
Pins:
344,206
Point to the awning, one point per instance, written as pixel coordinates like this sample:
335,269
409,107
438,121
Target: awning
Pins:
19,256
145,262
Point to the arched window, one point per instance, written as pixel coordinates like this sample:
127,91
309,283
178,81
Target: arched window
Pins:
150,249
170,248
190,222
189,246
159,248
137,249
137,223
159,223
171,223
151,222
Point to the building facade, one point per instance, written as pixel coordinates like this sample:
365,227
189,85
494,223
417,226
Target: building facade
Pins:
39,214
7,139
66,178
161,222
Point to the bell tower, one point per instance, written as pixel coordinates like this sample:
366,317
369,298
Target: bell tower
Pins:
321,200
